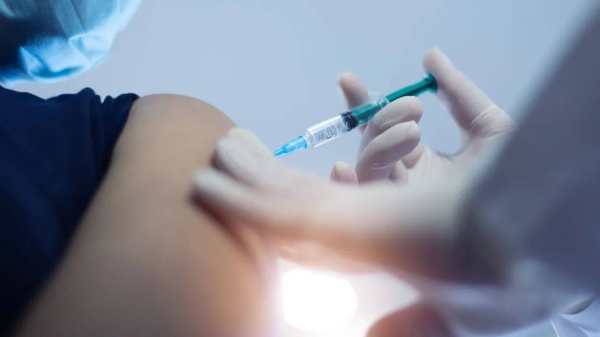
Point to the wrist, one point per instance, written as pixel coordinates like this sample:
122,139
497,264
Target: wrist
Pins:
480,258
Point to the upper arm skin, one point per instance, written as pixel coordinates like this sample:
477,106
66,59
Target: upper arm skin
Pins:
145,260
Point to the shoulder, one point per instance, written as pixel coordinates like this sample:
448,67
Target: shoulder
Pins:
173,123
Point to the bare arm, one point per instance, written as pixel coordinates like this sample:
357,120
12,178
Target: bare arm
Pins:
145,261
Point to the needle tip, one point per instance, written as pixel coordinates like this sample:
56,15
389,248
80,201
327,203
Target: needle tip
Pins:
292,146
280,152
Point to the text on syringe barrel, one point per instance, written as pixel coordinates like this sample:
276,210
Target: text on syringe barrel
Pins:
330,129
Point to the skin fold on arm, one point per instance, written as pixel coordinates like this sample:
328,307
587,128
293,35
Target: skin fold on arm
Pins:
147,262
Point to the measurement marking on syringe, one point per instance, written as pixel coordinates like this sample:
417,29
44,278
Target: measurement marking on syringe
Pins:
328,133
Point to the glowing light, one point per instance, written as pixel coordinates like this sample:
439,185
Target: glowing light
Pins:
316,302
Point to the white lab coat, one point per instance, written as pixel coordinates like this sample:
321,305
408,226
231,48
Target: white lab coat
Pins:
582,324
539,204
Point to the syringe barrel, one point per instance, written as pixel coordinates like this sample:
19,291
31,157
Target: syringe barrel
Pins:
330,129
333,128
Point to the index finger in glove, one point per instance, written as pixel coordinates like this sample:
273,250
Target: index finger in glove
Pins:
475,113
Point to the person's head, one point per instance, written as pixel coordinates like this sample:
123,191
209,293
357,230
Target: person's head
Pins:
56,39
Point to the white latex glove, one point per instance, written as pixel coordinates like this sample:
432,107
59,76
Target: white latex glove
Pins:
390,145
379,224
413,227
260,190
382,155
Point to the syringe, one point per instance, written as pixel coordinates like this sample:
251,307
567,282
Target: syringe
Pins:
333,128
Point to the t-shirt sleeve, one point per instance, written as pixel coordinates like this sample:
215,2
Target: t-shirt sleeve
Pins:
100,120
112,116
54,154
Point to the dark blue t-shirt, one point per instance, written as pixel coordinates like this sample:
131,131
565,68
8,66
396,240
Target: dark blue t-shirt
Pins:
53,155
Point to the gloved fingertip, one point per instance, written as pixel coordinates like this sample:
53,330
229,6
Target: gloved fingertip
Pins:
405,109
351,84
342,165
249,140
238,133
353,89
434,61
204,180
416,105
346,76
228,146
344,173
234,157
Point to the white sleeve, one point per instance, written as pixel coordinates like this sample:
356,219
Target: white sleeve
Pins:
585,323
541,198
538,208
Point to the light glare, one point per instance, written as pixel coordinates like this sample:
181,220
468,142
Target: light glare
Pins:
317,302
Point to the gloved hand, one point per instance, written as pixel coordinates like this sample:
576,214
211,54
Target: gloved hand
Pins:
411,223
390,146
424,171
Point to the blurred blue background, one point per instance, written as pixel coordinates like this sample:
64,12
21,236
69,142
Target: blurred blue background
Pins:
272,65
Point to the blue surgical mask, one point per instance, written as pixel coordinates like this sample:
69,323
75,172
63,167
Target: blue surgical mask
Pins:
45,40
